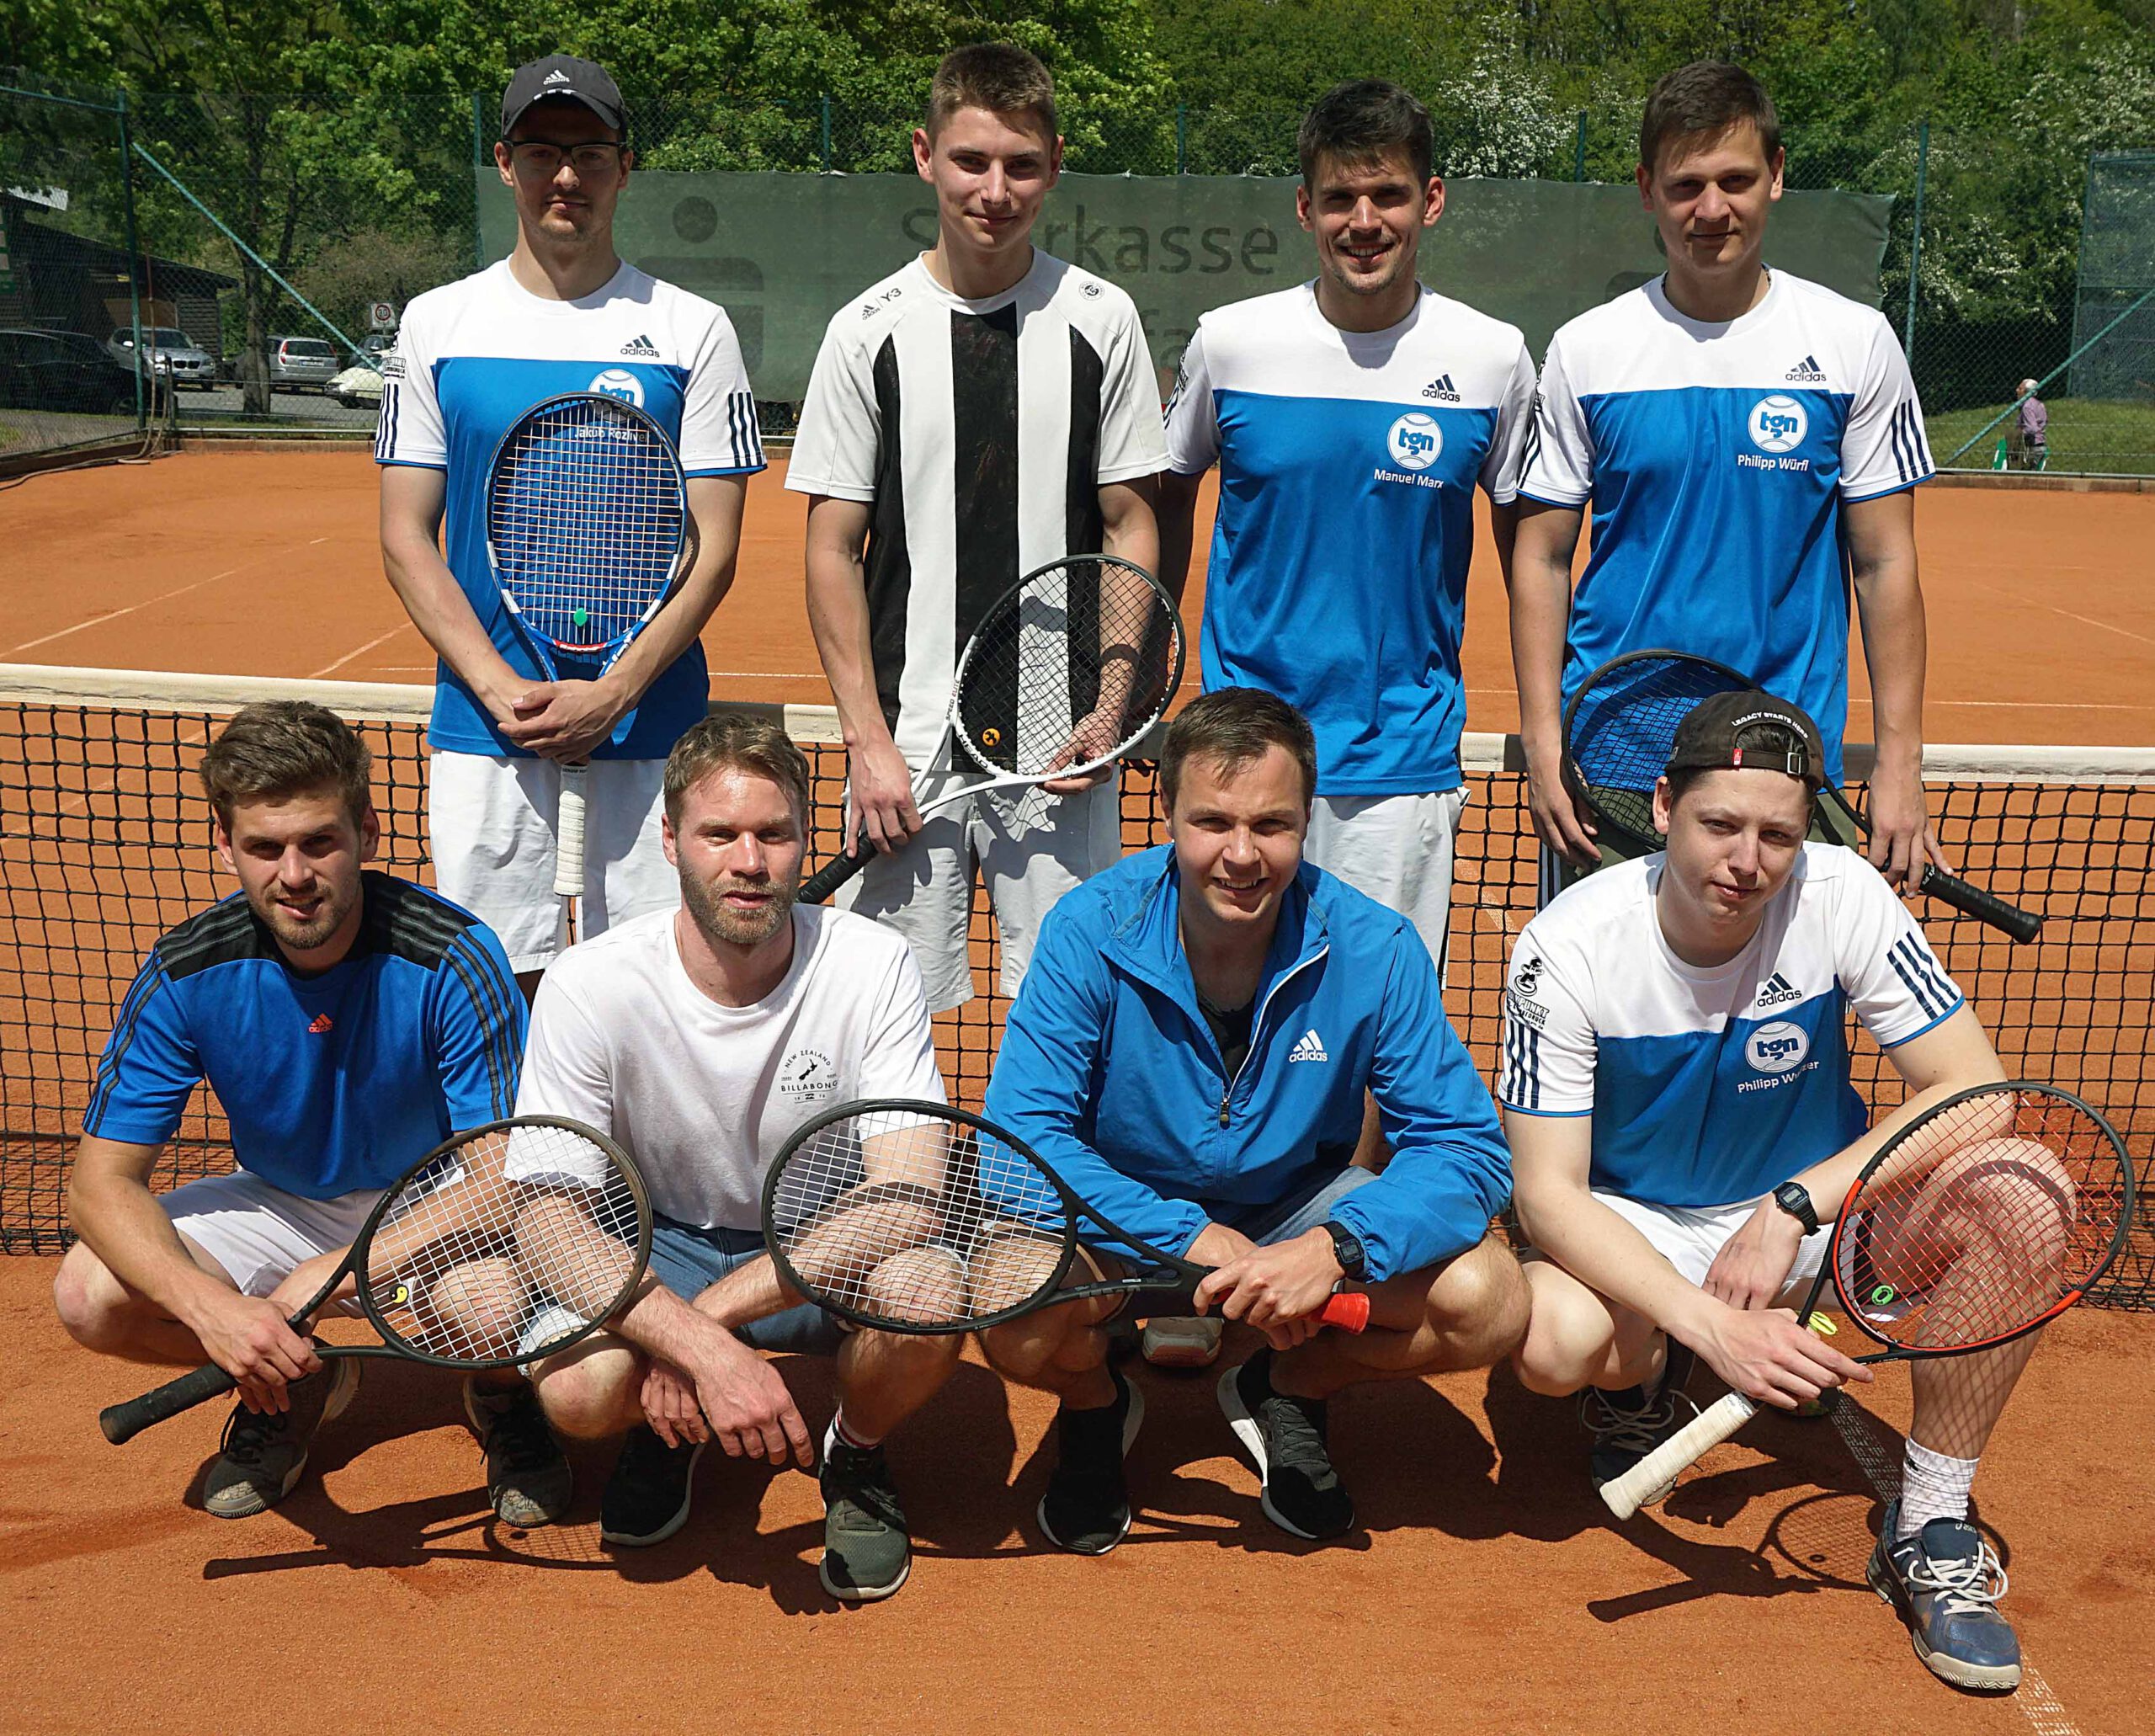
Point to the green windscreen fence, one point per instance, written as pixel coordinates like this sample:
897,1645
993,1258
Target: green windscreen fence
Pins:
782,253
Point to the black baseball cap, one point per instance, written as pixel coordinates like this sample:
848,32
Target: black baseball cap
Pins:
563,77
1749,730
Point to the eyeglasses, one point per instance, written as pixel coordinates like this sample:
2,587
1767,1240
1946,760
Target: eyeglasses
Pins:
536,158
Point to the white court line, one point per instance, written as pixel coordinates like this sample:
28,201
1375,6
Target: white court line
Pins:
2084,619
152,602
2034,1698
331,668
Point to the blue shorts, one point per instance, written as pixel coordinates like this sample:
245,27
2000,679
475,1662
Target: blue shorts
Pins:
1280,1221
688,1259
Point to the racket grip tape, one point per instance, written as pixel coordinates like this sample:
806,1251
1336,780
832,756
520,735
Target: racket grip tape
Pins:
818,886
568,834
123,1422
1349,1311
2023,925
1692,1442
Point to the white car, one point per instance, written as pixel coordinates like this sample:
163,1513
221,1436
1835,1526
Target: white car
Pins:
357,387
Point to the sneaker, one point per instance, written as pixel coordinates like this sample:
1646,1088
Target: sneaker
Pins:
866,1551
1285,1437
646,1498
1183,1341
1944,1583
1627,1426
529,1479
1087,1507
264,1452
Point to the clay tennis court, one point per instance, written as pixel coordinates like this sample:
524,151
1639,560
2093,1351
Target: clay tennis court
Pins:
1486,1588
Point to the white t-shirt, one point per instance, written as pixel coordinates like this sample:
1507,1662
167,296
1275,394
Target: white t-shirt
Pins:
982,431
703,1096
1709,1086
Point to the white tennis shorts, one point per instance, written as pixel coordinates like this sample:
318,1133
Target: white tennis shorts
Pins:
258,1233
1690,1237
491,821
925,891
1399,850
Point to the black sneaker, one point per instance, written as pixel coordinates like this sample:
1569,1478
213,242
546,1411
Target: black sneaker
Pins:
1627,1424
1087,1507
529,1478
646,1498
866,1551
264,1452
1285,1437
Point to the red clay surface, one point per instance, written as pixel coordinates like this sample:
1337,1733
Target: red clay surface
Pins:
1486,1591
2041,605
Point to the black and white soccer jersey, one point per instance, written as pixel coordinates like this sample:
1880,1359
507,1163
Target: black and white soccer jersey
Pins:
981,432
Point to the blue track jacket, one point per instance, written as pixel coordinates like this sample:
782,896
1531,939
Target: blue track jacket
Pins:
1108,1070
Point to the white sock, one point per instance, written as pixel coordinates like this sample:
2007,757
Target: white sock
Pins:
852,1437
1934,1485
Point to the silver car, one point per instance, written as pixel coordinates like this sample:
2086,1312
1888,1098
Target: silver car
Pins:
172,352
302,361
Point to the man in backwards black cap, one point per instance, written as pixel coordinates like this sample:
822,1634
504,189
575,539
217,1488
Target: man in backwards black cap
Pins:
1675,1087
562,313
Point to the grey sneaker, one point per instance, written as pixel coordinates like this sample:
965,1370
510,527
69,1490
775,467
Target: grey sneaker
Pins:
264,1452
529,1479
866,1551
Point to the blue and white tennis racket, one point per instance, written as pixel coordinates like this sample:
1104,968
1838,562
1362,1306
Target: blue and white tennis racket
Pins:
587,522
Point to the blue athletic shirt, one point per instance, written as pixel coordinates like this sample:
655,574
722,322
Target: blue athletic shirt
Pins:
1347,465
1716,457
473,356
1712,1087
333,1082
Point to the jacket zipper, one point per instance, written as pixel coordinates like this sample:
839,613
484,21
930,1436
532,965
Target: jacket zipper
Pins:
1257,1024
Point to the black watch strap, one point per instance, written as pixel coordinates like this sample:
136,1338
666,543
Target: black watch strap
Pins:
1346,1249
1795,1199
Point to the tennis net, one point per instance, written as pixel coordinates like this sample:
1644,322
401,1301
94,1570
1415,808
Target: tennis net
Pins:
105,843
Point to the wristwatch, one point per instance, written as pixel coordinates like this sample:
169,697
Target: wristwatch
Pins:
1795,1199
1346,1249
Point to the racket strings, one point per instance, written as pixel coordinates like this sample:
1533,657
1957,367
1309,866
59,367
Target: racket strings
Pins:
586,515
906,1219
1623,728
1068,668
506,1245
1993,1215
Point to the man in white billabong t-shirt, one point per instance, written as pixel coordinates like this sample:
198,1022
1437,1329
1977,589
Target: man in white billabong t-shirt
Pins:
1674,1079
977,414
700,1038
561,314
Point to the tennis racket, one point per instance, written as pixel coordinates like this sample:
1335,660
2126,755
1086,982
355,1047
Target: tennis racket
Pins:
1066,672
912,1216
1984,1218
501,1245
587,527
1618,731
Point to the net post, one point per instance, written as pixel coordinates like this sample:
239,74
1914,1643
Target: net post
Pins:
134,249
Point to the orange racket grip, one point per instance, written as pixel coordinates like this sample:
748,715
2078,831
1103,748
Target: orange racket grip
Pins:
1349,1311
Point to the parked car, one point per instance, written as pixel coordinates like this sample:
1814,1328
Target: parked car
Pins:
171,351
62,371
359,385
296,362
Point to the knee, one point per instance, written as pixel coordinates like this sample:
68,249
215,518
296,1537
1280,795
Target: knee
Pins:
1570,1337
1022,1350
588,1390
1480,1303
93,1306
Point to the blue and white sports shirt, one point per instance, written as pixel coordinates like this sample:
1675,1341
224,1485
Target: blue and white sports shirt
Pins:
1712,1087
1716,457
473,356
1347,465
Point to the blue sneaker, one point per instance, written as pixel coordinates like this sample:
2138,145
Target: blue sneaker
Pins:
1944,1583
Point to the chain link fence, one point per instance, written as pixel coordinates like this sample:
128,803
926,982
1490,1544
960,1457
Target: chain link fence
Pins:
263,246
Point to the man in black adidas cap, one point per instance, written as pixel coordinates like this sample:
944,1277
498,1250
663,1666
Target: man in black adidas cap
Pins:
1674,1079
563,313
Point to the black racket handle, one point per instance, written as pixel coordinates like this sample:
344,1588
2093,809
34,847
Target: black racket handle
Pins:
818,886
2023,925
122,1423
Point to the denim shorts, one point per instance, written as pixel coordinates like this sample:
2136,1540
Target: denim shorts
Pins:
688,1259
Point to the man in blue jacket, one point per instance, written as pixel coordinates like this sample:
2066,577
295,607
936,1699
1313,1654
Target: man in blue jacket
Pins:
1190,1050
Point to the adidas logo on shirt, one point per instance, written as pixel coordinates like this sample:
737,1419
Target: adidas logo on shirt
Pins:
641,346
322,1023
1442,389
1808,371
1308,1046
1779,991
